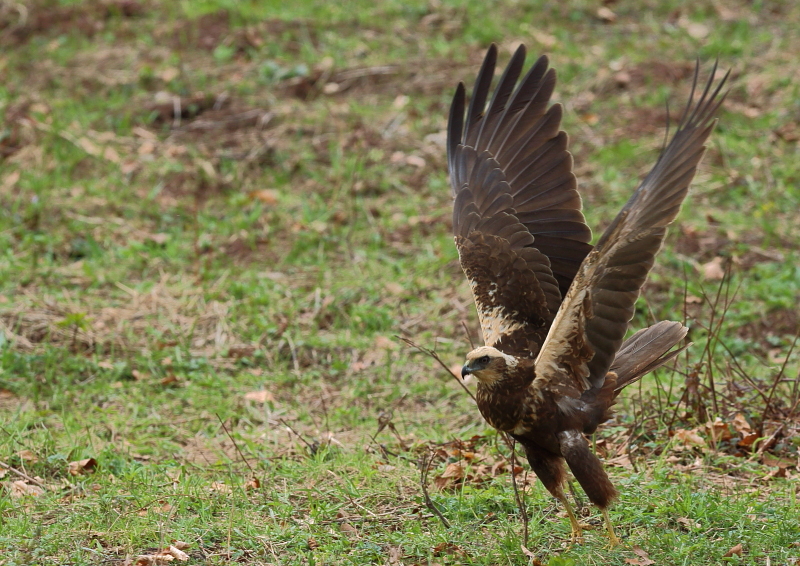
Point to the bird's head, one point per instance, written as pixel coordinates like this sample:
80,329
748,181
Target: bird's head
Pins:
488,365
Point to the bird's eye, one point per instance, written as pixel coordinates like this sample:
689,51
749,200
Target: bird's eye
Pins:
483,360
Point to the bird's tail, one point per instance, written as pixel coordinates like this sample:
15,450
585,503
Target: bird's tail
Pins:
647,350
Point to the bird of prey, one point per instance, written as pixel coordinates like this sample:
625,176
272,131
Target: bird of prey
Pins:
554,309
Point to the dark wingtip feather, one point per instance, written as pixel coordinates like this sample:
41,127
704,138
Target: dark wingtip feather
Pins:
455,125
480,91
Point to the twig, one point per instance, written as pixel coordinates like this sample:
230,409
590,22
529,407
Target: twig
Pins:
423,481
23,475
520,499
776,381
468,333
436,357
236,445
765,444
311,448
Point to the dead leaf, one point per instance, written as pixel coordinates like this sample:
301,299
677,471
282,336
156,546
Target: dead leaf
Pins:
10,180
455,471
623,461
252,483
28,456
162,557
111,155
267,196
718,430
348,529
220,487
19,489
261,396
448,548
713,270
394,288
778,472
606,15
696,30
85,466
741,425
415,161
159,239
385,343
642,560
737,550
689,438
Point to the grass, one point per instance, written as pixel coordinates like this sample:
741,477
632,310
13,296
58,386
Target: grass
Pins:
206,306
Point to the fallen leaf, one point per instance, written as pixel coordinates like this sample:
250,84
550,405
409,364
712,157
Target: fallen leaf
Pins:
713,270
28,456
718,430
348,529
394,288
19,489
741,425
395,554
261,396
689,438
85,466
448,548
642,560
606,15
778,472
252,483
159,239
737,550
220,487
455,471
162,557
697,30
267,196
415,161
10,180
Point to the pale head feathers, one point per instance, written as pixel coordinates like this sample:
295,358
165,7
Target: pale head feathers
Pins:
488,365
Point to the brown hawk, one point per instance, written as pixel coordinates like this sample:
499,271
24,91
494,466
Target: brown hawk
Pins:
553,309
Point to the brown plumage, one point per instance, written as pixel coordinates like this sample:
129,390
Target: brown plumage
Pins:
553,309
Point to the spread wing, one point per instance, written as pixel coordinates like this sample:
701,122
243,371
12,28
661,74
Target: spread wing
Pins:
517,218
590,325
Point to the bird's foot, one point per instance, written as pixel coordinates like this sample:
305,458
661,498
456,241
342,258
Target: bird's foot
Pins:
612,536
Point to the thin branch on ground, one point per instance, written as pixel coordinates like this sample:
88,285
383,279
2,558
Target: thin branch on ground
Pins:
436,357
311,447
22,475
236,445
775,383
425,463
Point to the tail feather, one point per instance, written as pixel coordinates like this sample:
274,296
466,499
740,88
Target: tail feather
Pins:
647,350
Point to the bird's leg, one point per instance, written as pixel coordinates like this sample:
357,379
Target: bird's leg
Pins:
613,540
577,531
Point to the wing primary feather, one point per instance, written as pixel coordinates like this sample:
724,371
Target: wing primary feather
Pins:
455,127
505,87
479,93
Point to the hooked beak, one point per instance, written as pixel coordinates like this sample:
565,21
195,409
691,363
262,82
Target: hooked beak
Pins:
465,371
